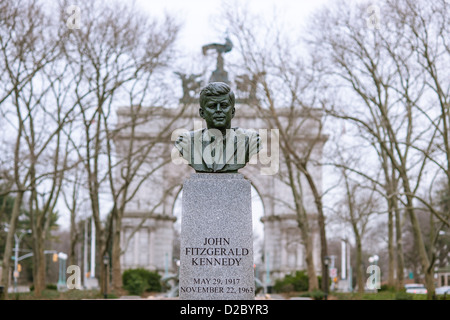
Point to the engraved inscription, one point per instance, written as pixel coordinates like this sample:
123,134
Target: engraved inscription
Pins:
216,251
215,285
233,256
216,241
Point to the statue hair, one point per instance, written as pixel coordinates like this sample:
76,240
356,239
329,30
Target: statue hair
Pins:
216,89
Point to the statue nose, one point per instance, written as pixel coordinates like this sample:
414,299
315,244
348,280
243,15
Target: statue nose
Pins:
218,107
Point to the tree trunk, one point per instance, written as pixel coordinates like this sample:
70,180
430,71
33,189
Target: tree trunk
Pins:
429,280
424,261
115,259
323,252
313,283
302,221
399,248
39,263
391,254
359,265
73,239
322,231
391,189
101,250
9,242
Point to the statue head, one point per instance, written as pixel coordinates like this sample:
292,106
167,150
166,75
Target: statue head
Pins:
217,105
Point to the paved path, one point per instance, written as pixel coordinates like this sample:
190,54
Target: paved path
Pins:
19,289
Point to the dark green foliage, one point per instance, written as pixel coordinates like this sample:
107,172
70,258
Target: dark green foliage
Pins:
23,223
317,294
136,281
297,282
135,284
385,287
403,296
51,286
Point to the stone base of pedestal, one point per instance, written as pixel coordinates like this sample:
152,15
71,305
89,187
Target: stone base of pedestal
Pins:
216,238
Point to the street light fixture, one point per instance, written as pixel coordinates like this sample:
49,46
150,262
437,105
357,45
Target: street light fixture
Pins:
17,240
326,261
62,258
106,263
374,259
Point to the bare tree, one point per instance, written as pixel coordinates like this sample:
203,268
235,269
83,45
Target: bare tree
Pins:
286,88
378,72
426,33
30,55
117,58
360,203
71,195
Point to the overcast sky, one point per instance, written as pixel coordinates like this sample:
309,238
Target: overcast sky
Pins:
197,16
200,27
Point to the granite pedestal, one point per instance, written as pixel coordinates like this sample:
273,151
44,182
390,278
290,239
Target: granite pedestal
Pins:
216,238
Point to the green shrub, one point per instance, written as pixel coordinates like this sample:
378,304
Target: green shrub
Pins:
385,287
403,296
284,287
317,294
153,282
135,284
136,281
51,286
297,282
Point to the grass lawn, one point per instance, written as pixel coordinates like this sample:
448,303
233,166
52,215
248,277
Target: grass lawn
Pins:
55,295
381,295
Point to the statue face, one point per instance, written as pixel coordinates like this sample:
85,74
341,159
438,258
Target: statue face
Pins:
218,112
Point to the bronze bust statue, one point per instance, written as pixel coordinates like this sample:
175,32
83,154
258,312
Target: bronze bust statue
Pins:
219,147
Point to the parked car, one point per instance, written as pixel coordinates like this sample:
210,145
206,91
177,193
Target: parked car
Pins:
442,290
415,288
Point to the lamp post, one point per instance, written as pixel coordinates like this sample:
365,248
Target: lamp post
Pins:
62,258
267,282
17,240
166,265
106,262
326,284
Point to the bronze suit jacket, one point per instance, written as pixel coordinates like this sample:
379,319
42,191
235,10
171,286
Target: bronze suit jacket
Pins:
207,150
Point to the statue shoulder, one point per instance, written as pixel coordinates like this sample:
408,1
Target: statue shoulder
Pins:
248,132
186,135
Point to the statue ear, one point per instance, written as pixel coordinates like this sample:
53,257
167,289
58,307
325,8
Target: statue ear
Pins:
200,111
233,112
